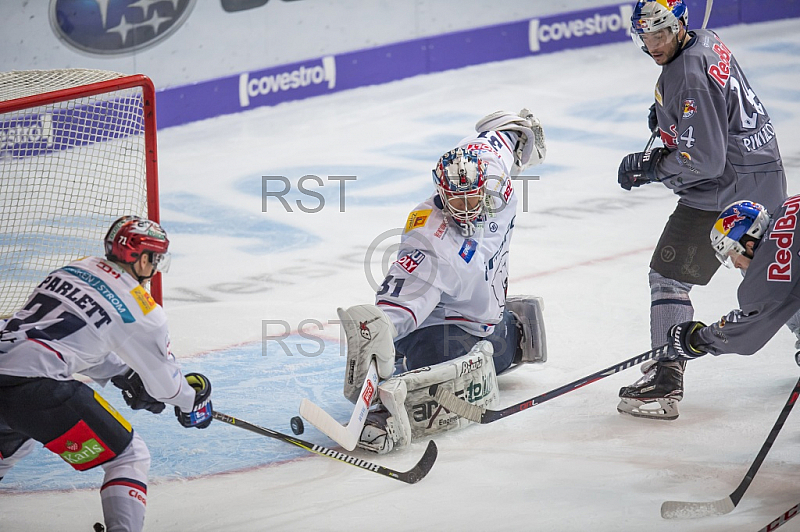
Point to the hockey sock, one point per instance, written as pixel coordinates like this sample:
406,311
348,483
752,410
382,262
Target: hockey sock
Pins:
669,304
124,491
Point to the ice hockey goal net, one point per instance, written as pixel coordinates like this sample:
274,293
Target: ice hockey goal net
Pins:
77,150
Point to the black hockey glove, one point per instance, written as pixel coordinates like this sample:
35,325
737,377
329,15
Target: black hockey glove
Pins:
134,393
679,345
200,416
636,169
652,121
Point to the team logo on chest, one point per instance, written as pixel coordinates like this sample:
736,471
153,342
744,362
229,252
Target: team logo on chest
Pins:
410,261
468,249
689,107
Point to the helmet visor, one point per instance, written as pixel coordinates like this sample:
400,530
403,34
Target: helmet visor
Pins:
161,261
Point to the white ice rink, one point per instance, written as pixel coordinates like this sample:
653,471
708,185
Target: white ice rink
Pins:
572,464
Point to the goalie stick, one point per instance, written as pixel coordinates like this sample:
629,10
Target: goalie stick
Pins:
346,436
478,414
690,510
412,476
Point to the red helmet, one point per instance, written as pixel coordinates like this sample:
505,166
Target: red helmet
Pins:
130,236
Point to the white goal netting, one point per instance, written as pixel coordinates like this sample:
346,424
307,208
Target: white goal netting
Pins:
73,157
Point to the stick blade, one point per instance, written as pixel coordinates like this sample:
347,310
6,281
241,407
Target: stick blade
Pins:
694,510
447,399
328,426
423,467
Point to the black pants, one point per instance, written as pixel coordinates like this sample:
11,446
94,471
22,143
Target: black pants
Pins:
68,417
684,251
438,343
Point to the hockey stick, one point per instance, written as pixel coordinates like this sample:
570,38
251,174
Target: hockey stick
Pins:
482,415
709,3
346,436
651,141
781,520
689,510
412,476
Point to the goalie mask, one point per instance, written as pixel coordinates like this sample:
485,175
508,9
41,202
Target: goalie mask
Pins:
130,236
652,16
738,223
460,178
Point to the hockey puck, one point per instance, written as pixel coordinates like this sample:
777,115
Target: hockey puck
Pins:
297,425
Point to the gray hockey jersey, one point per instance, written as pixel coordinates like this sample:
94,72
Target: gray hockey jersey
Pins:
769,294
722,141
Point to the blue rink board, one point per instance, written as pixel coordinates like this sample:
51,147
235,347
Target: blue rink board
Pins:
265,390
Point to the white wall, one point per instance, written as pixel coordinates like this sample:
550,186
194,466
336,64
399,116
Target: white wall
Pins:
214,43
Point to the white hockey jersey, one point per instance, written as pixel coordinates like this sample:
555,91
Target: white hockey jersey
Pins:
93,318
443,277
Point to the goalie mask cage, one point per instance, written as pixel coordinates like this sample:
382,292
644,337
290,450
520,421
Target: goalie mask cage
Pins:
77,151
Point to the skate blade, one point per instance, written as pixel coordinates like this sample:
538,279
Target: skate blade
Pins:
661,408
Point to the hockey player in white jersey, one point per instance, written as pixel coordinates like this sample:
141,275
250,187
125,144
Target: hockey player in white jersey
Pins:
95,317
441,314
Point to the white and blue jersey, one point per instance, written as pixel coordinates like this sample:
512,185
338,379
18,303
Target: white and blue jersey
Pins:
93,318
441,277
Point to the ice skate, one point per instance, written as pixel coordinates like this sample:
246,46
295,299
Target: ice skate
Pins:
656,394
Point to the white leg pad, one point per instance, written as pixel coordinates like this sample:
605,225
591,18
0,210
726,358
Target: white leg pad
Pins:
417,414
528,312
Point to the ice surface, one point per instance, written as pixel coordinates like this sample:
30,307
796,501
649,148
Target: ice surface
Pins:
581,242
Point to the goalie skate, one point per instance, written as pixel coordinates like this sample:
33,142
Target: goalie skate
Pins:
656,394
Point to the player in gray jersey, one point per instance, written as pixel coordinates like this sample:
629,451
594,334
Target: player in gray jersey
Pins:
95,317
767,249
719,147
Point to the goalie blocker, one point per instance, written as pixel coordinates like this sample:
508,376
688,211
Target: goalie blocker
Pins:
408,412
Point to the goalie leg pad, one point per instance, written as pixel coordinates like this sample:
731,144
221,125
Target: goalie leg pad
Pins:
533,341
414,413
370,335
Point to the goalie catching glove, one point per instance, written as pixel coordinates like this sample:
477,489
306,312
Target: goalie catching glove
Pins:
531,148
200,415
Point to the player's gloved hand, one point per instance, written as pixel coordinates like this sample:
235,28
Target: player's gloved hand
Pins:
679,341
652,121
636,169
134,393
200,416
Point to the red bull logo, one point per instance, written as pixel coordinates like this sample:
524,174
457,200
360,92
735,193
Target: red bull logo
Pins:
728,222
689,108
669,138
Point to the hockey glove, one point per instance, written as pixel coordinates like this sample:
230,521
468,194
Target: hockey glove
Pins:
652,121
134,393
200,416
636,169
679,344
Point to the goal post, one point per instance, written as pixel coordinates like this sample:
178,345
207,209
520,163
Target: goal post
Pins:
77,150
